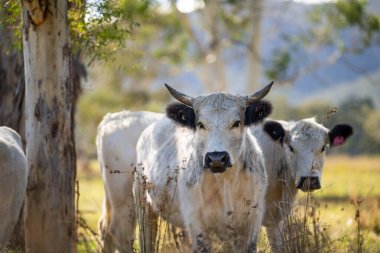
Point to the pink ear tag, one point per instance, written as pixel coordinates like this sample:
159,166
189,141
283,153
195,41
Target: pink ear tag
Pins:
338,140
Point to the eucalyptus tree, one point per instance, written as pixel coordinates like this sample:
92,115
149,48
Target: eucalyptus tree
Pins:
45,77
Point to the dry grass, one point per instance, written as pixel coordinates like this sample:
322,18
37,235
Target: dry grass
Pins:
329,220
344,216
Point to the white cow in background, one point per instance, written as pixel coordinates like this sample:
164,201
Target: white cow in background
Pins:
294,158
13,182
116,146
206,175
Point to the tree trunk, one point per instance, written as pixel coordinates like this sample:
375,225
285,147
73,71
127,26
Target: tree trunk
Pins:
215,62
254,56
49,113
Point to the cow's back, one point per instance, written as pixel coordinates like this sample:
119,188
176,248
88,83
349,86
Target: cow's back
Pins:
116,142
117,137
13,182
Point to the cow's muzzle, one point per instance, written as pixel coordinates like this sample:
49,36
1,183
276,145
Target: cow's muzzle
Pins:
217,162
308,184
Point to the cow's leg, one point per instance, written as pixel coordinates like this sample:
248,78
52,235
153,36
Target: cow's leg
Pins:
147,219
201,244
181,239
252,248
177,238
105,219
148,229
252,243
275,237
256,226
121,226
256,222
200,240
242,245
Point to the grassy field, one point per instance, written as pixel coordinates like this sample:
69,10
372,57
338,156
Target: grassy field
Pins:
349,184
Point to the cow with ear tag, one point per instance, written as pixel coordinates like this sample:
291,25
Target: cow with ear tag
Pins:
202,170
294,158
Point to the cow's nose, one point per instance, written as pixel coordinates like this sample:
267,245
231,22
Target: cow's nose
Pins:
309,184
217,161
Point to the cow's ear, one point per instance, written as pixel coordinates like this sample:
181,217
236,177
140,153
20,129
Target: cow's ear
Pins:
181,114
339,134
275,130
257,111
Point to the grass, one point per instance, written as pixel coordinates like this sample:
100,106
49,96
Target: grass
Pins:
352,179
351,176
89,205
346,181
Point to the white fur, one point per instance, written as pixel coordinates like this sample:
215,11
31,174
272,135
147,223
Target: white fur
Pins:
285,168
116,146
13,182
228,206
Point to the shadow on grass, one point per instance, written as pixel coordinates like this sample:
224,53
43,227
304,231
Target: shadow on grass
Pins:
347,199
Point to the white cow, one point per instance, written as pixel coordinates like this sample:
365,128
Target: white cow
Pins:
116,146
202,170
13,182
294,157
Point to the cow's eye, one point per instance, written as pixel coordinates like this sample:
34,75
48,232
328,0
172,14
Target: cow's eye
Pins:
236,124
291,148
200,125
323,149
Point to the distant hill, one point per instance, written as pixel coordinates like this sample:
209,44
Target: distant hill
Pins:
352,75
365,86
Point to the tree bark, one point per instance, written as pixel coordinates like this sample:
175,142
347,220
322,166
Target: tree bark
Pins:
49,113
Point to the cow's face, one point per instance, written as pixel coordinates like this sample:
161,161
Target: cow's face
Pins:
219,132
304,143
219,122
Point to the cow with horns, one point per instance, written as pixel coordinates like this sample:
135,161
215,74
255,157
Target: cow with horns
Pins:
202,170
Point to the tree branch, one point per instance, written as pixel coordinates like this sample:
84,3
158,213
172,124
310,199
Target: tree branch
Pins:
37,10
186,23
330,60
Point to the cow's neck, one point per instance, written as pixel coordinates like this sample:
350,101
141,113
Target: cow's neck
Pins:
287,182
224,188
249,157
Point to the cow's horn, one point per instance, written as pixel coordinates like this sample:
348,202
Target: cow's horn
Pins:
184,99
259,94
